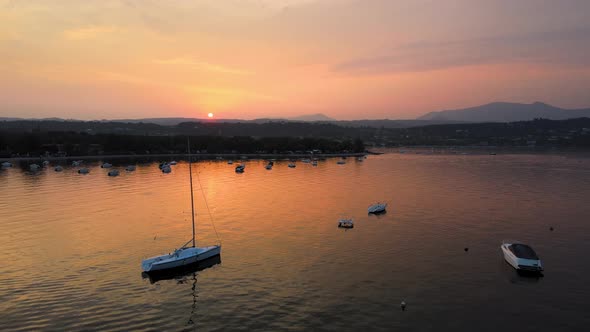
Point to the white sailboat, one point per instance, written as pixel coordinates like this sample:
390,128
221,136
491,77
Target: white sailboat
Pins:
185,255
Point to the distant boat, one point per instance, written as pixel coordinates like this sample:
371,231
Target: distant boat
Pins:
345,223
341,162
360,159
240,168
314,163
83,171
34,167
185,255
292,165
166,169
230,162
130,168
377,208
306,160
45,162
58,168
76,162
113,172
268,166
106,165
173,162
521,256
6,164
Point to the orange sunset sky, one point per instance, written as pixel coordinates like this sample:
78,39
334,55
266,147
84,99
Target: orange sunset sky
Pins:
348,59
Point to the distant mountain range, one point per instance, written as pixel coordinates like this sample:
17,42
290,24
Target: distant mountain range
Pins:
506,112
493,112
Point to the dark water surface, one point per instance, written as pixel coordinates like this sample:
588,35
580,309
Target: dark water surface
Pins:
72,245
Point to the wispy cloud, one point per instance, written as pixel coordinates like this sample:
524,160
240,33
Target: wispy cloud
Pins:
89,32
202,65
563,47
230,92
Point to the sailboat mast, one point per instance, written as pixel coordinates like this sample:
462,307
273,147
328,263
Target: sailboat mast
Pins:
190,172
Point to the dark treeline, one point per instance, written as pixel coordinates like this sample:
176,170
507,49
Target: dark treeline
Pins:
539,132
81,144
95,137
268,129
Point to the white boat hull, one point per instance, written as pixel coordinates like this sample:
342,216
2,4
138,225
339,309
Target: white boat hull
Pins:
377,208
180,258
520,264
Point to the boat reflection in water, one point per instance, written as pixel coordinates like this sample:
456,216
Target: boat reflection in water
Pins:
184,275
180,272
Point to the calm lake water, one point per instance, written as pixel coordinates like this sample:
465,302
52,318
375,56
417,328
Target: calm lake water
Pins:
72,245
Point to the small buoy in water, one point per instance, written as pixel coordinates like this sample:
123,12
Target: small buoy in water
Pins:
403,305
466,249
551,229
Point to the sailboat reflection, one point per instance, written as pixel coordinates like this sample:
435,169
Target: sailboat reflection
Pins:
183,271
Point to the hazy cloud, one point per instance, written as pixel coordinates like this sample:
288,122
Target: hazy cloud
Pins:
562,47
202,65
89,32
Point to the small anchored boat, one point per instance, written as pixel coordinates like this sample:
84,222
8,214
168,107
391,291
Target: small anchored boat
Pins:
345,223
113,172
106,165
166,169
521,256
377,208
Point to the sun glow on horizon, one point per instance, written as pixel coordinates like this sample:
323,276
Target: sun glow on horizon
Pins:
210,115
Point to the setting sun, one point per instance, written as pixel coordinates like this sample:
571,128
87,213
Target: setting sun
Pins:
210,115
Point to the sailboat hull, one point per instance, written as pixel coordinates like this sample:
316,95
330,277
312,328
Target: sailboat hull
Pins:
179,258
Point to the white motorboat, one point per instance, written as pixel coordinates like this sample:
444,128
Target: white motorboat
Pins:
106,165
521,256
173,162
34,167
292,165
166,169
6,164
113,172
58,168
185,255
83,171
130,168
377,208
345,223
